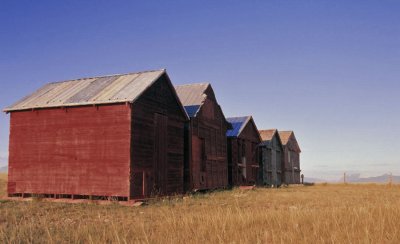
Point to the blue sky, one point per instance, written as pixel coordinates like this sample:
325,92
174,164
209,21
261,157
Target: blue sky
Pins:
329,70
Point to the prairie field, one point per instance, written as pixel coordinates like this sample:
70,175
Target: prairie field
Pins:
326,213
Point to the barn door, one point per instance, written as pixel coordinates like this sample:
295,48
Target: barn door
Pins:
160,166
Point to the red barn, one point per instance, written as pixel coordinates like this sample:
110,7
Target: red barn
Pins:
291,157
243,155
206,165
114,136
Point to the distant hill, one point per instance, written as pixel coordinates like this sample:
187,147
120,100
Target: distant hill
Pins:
4,169
356,178
314,180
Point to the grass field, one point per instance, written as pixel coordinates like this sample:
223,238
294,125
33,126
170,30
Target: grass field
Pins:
316,214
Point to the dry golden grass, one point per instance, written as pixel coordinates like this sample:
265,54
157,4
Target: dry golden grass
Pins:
317,214
3,180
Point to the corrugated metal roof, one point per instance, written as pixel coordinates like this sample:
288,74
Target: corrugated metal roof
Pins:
238,124
285,136
192,96
267,135
87,91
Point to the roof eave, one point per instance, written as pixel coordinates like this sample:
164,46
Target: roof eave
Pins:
67,105
187,117
248,118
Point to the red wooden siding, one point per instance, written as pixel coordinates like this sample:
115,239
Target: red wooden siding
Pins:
76,151
129,150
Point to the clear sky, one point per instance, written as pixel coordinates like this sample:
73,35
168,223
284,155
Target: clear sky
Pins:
329,70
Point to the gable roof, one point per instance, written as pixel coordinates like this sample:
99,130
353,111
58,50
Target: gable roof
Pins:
90,91
238,124
285,138
192,96
267,135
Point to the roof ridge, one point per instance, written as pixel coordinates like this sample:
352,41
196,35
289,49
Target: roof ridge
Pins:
234,117
268,130
70,94
106,76
194,84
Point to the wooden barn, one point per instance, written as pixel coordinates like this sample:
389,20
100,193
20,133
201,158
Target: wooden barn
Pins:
271,158
291,157
206,165
243,155
119,136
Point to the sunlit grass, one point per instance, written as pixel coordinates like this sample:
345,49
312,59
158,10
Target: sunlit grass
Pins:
318,214
3,184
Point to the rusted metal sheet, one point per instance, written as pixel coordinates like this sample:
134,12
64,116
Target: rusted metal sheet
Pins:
109,92
90,91
75,87
243,153
87,91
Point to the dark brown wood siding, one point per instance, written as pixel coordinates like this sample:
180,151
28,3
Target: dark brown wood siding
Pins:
157,143
208,165
244,149
291,164
272,162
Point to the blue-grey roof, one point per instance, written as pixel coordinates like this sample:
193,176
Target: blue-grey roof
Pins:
238,124
192,110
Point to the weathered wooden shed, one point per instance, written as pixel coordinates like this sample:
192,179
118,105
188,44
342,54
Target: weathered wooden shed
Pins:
206,165
291,157
114,136
271,158
243,153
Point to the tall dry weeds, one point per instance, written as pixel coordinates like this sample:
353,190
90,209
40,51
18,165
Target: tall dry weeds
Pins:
318,214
